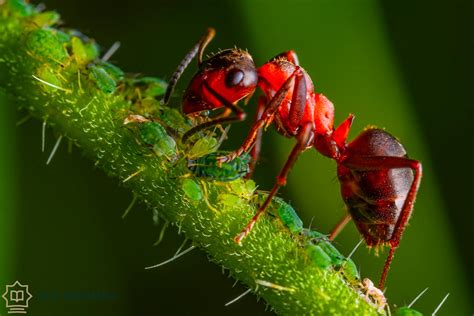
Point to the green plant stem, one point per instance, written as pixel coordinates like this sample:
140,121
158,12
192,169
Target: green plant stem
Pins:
78,108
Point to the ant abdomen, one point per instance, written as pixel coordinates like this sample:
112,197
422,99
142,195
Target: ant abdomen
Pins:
374,195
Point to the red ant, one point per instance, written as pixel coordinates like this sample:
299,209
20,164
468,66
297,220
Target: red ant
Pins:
377,184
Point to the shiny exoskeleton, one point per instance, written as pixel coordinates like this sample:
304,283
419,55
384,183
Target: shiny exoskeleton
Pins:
378,182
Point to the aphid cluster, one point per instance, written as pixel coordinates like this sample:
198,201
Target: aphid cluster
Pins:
318,247
378,182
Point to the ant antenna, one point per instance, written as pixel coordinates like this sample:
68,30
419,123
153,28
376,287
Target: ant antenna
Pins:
416,298
197,49
440,304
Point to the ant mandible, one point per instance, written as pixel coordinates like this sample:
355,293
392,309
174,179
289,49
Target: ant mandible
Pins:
378,181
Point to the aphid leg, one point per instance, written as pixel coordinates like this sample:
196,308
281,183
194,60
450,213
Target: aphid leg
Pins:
198,49
267,116
339,227
380,163
304,138
224,136
239,115
206,198
255,152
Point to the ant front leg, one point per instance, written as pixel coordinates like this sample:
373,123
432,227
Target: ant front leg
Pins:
198,50
304,138
372,163
237,110
270,111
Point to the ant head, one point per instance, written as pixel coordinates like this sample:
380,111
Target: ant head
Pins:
230,73
273,74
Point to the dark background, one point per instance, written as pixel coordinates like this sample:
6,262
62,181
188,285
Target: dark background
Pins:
400,65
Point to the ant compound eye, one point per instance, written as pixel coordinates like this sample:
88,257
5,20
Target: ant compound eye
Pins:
234,77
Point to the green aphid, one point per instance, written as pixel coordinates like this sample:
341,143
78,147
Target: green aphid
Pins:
321,240
84,52
318,256
45,45
102,79
45,73
406,311
202,147
349,271
150,86
63,37
229,200
313,235
208,167
20,7
155,135
243,188
192,189
287,214
48,18
115,72
173,117
336,257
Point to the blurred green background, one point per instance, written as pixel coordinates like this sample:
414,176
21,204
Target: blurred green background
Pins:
398,65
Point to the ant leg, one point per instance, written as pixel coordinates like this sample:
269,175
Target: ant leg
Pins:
366,163
298,103
304,138
197,49
255,152
339,226
238,117
267,116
